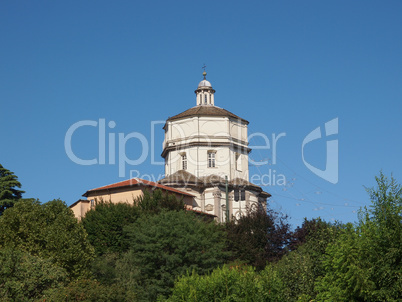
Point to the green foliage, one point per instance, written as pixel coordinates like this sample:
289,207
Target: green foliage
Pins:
241,283
156,201
9,193
85,290
296,271
104,225
258,237
301,267
49,231
364,264
166,245
104,268
24,277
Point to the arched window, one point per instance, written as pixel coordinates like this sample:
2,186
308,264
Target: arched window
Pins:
205,99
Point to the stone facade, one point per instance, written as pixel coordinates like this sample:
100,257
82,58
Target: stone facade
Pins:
204,145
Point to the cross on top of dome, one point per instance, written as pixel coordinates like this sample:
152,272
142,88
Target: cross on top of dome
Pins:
204,82
205,92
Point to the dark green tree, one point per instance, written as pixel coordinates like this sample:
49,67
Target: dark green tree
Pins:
24,277
303,265
155,201
49,231
166,245
104,225
259,237
9,192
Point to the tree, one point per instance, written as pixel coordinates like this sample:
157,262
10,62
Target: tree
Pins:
237,283
104,225
311,230
303,265
9,193
166,245
24,277
364,264
155,202
49,231
85,290
258,237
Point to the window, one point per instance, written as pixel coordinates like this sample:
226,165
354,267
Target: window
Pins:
238,162
239,194
243,194
211,159
184,161
205,100
236,195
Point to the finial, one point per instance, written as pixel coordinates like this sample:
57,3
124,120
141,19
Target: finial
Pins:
204,73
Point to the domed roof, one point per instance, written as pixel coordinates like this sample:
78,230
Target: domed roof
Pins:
204,83
206,111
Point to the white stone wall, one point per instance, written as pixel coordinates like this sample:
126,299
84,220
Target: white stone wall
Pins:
213,201
196,136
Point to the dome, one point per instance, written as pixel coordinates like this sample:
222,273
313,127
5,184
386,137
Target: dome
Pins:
204,83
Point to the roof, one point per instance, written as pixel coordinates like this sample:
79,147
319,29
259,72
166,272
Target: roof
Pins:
201,213
78,201
185,178
204,83
197,212
180,177
206,110
137,182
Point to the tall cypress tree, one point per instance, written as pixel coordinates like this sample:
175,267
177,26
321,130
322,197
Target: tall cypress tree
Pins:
9,192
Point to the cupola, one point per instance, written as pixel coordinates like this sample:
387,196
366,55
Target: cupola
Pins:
205,92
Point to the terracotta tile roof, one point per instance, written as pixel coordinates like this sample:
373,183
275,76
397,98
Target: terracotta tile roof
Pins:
137,182
206,110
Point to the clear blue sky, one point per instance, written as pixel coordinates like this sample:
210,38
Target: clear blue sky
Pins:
286,66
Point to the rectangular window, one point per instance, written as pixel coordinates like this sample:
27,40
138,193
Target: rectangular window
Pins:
211,159
236,195
184,161
243,194
238,162
239,194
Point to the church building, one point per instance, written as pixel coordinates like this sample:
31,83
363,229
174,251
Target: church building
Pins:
206,150
206,162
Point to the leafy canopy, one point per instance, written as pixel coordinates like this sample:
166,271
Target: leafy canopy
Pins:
104,225
364,264
24,277
236,283
49,231
259,237
165,246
